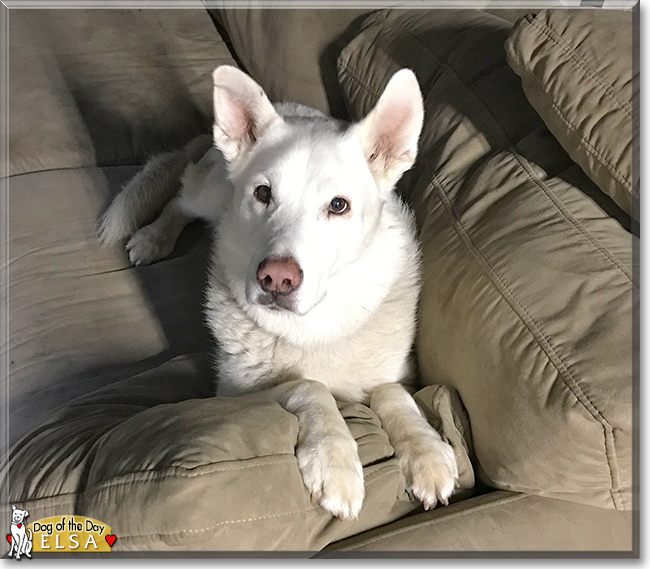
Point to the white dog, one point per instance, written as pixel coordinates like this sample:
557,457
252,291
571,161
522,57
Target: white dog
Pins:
21,537
315,270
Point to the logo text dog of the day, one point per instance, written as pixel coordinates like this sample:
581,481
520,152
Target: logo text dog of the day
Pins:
71,534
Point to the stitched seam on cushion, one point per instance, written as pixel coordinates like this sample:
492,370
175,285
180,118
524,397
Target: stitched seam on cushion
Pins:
443,518
529,171
588,146
226,522
138,473
578,60
346,69
576,223
182,532
615,491
531,325
117,164
116,483
613,169
69,498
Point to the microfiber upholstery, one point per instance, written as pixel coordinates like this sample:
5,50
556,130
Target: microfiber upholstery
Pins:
170,468
105,87
292,52
527,302
576,70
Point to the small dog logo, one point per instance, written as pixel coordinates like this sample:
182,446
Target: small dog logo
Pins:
21,537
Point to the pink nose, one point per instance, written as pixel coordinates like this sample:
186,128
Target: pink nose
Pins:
279,274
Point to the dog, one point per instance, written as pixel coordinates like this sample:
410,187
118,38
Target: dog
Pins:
21,542
314,276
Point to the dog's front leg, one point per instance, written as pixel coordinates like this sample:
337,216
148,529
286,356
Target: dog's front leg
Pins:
326,451
428,462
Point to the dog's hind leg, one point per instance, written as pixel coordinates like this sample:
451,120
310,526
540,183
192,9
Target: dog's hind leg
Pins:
326,451
204,194
145,196
427,461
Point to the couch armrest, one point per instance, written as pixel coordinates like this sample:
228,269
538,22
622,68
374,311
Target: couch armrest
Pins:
168,467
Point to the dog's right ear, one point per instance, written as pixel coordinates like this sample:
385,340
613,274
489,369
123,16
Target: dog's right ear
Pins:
242,112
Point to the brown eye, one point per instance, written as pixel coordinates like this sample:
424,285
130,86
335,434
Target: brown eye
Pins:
263,194
339,206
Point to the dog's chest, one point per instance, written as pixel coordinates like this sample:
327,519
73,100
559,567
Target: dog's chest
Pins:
251,358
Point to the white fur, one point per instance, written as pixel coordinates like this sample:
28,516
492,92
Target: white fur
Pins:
348,329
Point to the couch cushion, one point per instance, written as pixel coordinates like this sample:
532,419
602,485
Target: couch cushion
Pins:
500,521
527,302
577,71
292,53
81,316
98,87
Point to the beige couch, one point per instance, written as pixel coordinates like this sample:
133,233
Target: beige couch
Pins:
526,196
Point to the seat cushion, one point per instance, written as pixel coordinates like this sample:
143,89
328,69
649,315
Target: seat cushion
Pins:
101,87
527,302
577,70
81,316
500,521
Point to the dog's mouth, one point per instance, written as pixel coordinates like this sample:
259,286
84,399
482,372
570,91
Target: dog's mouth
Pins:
280,303
276,301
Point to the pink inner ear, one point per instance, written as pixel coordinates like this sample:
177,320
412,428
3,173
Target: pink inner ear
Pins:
391,134
238,122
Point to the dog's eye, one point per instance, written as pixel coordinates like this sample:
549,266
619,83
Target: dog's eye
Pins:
339,206
262,194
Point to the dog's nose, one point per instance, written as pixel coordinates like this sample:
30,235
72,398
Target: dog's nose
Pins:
279,274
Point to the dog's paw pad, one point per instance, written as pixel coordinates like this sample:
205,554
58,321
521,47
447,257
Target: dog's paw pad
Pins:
431,472
149,245
334,477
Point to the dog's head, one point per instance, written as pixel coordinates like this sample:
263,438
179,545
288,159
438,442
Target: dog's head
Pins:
17,516
309,193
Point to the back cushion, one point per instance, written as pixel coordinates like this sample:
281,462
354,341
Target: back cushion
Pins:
527,301
105,87
292,53
577,71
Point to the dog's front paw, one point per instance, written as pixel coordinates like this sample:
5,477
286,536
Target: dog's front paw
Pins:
149,245
332,472
430,468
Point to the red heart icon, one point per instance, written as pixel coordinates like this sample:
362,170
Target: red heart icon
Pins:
111,539
9,538
20,525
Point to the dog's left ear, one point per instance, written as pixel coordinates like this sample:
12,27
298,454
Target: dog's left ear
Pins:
389,133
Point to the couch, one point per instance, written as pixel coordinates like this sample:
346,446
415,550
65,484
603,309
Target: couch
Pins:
526,197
